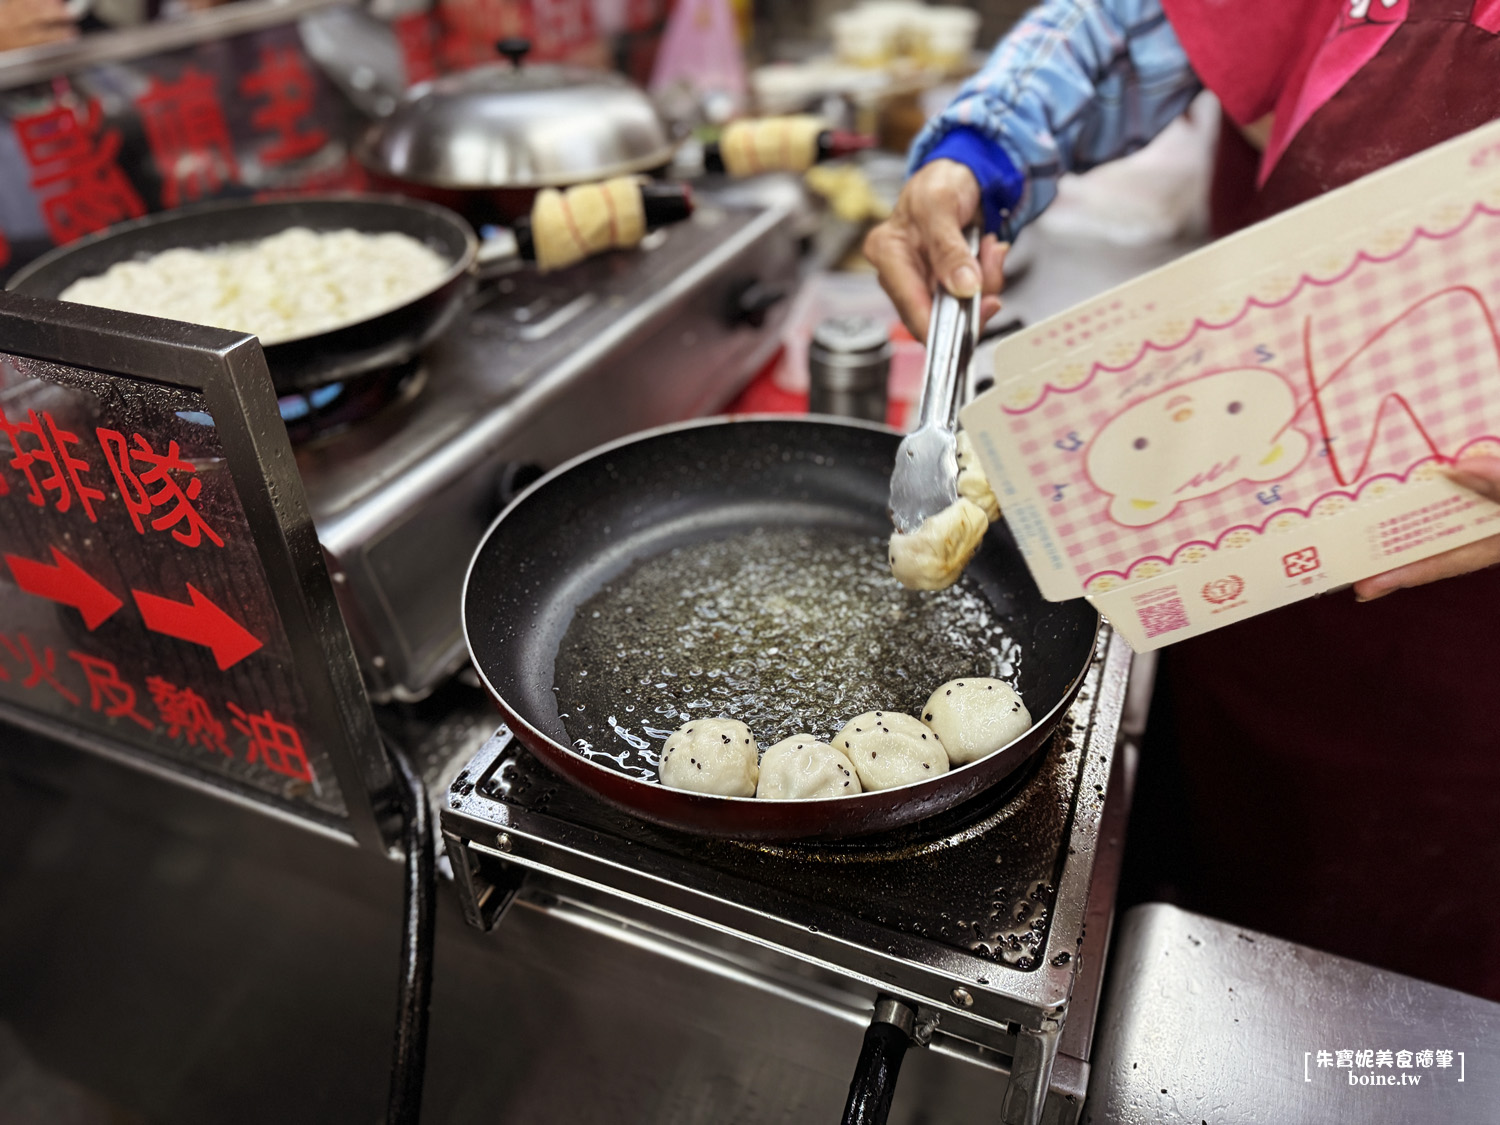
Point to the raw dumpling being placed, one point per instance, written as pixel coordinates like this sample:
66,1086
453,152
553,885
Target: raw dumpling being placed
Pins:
801,767
972,483
976,716
711,756
933,556
890,749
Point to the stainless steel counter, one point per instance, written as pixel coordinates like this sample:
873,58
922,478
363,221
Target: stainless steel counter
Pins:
1206,1022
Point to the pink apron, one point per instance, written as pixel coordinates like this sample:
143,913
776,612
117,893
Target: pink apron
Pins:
1339,763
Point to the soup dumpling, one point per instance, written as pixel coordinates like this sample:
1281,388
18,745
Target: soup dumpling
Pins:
934,555
801,767
973,485
890,749
976,716
711,756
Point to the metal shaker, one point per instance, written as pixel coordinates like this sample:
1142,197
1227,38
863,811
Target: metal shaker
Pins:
848,366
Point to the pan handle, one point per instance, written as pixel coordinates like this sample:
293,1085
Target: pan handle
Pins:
890,1032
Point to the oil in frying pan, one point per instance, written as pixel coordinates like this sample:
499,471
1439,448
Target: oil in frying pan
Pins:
788,630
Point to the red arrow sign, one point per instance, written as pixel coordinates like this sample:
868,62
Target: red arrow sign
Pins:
199,622
67,583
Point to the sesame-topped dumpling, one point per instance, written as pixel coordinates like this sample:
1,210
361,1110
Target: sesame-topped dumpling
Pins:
801,767
976,716
890,749
711,756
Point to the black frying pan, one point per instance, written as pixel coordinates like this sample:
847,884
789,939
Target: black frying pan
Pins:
591,519
298,364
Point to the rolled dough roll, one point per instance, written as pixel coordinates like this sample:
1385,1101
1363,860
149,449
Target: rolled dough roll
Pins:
770,144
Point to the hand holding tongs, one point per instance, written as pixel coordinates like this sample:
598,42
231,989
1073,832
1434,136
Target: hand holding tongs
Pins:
925,480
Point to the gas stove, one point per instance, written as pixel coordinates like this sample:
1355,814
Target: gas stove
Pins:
990,920
537,369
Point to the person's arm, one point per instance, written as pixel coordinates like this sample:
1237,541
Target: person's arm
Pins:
1075,83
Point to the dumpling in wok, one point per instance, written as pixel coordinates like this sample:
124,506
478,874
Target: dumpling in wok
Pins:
711,756
890,749
976,716
801,767
972,483
933,556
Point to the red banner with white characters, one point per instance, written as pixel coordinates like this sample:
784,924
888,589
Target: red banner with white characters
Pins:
252,115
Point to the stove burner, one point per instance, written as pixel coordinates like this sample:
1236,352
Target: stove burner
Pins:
981,877
333,407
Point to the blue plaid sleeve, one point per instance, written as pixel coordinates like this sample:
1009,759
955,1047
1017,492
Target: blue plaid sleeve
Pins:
1075,83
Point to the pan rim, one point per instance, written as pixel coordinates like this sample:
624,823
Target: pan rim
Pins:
513,715
463,264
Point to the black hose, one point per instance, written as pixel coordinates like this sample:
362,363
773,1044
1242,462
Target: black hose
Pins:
874,1083
409,1054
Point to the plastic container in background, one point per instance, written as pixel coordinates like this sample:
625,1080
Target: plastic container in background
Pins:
943,37
862,40
784,88
877,31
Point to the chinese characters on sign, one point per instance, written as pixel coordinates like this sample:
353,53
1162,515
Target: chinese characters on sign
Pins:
156,487
74,171
189,139
133,603
181,713
245,116
282,89
40,441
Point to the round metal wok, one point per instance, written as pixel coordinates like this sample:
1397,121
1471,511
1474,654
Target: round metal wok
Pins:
304,362
589,520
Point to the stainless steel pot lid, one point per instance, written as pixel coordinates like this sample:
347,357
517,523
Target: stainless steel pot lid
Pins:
516,126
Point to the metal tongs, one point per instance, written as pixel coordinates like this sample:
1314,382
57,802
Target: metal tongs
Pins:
925,479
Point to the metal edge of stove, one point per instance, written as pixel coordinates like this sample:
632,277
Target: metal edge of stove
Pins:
827,994
1018,1015
830,993
455,481
37,64
1098,926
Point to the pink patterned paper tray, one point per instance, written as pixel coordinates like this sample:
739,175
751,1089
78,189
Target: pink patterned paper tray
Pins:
1265,419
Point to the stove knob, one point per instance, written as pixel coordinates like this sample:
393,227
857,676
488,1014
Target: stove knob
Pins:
515,48
751,300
